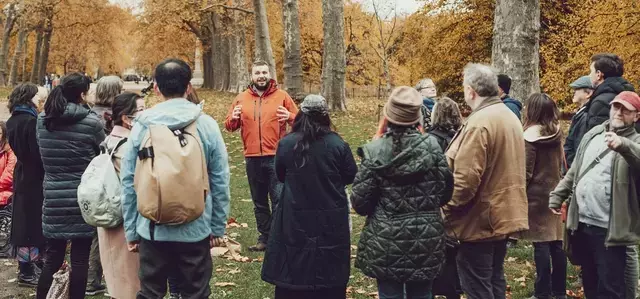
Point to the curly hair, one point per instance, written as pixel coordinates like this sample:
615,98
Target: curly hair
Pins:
446,115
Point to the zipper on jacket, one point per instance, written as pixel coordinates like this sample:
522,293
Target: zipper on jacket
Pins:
613,171
260,122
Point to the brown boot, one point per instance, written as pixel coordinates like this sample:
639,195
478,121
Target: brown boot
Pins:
258,247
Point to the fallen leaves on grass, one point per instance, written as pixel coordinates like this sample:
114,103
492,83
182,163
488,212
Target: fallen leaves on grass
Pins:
511,259
224,284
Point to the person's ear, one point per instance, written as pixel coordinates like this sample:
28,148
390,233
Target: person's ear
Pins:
156,90
189,90
637,117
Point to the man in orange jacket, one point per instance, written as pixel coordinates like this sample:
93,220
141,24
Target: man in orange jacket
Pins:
262,113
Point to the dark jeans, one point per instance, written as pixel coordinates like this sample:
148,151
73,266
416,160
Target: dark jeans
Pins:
332,293
53,258
263,184
388,289
481,269
190,262
551,269
95,266
447,283
603,268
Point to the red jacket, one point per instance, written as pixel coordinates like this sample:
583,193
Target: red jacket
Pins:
7,165
261,130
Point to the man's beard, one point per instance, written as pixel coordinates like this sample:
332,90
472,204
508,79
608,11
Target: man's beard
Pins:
261,88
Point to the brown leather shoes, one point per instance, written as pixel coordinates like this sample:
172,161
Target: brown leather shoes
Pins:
258,247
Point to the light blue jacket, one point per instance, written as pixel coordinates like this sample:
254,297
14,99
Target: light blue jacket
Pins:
178,113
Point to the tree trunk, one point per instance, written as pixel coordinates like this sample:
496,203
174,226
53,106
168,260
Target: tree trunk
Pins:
17,56
333,66
6,36
23,74
293,80
207,68
263,40
238,74
44,57
36,58
221,50
387,73
516,44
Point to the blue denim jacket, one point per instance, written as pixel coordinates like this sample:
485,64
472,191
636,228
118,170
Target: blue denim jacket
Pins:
178,113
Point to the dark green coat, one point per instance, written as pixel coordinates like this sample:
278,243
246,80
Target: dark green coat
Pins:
401,195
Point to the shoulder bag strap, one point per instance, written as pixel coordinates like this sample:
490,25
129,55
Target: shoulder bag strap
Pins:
593,164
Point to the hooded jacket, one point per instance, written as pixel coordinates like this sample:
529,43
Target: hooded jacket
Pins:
261,130
175,114
598,106
66,152
544,161
401,195
624,227
514,105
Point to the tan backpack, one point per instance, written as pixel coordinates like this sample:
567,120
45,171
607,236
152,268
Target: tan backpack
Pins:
171,178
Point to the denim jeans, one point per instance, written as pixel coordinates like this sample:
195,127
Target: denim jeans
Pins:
551,269
631,272
481,269
603,268
263,185
388,289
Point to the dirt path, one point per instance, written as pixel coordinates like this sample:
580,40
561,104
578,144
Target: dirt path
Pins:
8,286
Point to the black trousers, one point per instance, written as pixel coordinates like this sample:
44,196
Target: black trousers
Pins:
263,184
481,269
190,263
53,259
551,269
602,267
332,293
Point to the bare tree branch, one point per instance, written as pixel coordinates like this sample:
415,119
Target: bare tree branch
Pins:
228,7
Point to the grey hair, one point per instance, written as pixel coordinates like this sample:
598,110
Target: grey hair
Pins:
107,90
482,78
422,83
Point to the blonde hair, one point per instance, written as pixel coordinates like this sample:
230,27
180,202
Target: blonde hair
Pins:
107,90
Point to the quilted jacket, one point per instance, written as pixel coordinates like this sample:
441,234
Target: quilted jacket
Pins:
66,152
401,196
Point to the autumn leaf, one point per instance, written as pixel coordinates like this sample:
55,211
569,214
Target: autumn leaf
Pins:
224,284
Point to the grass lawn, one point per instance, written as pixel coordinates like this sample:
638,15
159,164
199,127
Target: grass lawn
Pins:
356,127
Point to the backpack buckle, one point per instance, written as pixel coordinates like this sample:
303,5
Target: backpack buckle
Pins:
145,153
180,134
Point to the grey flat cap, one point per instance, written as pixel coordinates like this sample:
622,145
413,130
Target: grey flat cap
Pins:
314,103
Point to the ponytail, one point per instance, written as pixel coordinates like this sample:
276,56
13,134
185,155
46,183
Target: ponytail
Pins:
70,89
54,106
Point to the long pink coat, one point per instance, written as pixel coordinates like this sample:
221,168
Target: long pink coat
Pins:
120,266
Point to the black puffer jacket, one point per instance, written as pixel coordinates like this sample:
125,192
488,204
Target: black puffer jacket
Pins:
598,106
66,152
403,237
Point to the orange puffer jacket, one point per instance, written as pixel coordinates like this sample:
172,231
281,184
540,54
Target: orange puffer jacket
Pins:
7,165
261,130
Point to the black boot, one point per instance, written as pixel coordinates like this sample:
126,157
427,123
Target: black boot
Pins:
27,276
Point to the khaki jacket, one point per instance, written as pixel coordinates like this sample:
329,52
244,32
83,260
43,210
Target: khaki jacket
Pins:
487,157
624,227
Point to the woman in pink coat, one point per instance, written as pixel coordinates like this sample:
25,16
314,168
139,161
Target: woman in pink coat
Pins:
120,267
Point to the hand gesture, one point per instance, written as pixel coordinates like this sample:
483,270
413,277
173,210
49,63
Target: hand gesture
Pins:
283,114
237,111
555,211
613,141
133,246
215,241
